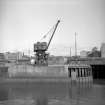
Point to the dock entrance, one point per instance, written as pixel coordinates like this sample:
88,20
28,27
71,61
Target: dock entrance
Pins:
98,71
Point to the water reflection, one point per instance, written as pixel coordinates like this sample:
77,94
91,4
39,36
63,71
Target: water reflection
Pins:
52,94
80,90
3,93
42,100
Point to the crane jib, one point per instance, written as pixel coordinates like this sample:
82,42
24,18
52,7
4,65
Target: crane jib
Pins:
53,33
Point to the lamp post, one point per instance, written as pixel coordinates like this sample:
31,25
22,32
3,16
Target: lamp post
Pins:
75,45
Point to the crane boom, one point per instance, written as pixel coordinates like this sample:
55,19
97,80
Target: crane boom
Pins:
53,34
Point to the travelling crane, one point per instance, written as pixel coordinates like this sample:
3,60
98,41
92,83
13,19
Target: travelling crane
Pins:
40,49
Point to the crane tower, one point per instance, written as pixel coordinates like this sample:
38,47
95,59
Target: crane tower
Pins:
40,49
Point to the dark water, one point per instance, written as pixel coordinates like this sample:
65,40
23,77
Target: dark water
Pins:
52,94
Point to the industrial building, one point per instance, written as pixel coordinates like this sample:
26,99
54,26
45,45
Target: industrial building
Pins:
83,54
102,50
13,56
2,57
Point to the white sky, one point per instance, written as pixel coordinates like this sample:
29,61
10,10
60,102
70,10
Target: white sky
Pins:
24,22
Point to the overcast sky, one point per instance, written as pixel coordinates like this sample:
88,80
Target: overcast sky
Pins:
24,22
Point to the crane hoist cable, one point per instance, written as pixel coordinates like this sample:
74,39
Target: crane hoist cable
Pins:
49,32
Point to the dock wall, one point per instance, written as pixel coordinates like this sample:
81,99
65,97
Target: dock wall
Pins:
37,71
